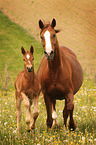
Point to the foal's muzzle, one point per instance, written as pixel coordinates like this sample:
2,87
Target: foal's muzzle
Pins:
29,69
49,55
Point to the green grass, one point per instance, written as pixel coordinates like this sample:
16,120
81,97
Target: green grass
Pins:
84,115
12,37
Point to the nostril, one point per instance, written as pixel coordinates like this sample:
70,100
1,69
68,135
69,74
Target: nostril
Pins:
27,67
31,67
51,52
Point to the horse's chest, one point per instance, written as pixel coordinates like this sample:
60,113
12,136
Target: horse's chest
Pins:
30,89
55,86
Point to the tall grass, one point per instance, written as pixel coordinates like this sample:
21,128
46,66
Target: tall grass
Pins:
12,38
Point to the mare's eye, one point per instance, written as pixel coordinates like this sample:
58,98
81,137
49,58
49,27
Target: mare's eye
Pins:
41,37
53,35
33,58
24,59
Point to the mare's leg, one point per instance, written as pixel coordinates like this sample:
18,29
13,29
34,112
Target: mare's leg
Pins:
18,112
27,107
54,115
70,108
35,112
48,104
65,114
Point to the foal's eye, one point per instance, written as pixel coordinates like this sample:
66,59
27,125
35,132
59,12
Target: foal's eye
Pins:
33,58
24,59
53,35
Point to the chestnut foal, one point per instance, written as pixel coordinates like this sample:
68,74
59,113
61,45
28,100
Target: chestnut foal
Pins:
27,89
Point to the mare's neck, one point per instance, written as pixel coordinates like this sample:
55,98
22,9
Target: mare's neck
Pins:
29,75
56,62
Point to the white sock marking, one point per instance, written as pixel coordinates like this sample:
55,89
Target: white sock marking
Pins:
54,115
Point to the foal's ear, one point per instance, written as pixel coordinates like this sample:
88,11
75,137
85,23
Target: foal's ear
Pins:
53,24
23,51
41,25
31,49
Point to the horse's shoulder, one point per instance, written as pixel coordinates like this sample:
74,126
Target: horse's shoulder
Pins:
67,51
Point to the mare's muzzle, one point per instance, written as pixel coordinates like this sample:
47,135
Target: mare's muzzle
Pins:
50,55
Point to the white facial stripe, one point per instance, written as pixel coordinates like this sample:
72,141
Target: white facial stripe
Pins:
28,56
29,62
48,45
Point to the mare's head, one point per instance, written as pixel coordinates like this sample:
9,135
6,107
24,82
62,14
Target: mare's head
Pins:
28,58
48,38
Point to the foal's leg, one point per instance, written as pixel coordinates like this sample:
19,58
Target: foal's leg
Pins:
27,107
18,112
54,115
35,113
48,104
70,108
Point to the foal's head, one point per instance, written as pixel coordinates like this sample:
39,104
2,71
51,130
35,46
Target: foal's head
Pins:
28,58
48,37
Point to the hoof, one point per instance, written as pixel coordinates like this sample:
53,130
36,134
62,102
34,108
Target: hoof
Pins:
28,130
72,126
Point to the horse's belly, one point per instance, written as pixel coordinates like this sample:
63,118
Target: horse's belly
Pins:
56,91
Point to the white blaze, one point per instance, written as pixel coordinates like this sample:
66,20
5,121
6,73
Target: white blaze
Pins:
28,56
48,45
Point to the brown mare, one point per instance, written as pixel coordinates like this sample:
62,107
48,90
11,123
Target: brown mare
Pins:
27,90
59,73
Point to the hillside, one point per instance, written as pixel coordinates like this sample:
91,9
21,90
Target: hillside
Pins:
76,19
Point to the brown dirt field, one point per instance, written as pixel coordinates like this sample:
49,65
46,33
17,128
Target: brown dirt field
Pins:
75,18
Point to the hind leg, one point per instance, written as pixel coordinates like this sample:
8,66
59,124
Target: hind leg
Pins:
70,108
18,111
54,115
65,114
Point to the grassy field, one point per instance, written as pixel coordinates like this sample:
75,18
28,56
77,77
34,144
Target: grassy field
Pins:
12,37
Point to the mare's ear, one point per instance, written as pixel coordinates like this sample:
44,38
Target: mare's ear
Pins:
53,24
41,25
31,49
57,31
23,51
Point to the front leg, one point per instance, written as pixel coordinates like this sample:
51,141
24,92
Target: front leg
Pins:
48,104
35,112
27,107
